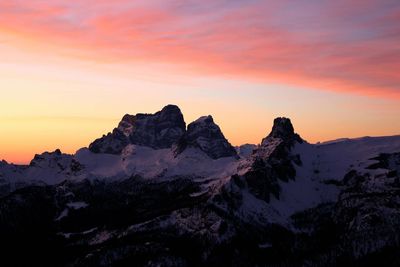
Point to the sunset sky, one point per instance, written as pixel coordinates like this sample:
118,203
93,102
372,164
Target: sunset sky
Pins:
69,70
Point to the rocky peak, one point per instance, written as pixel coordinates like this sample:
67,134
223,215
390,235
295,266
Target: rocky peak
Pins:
47,156
171,109
56,160
204,134
205,124
283,129
159,130
126,124
273,160
246,150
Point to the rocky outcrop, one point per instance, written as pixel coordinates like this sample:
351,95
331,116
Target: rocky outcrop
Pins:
166,129
368,207
56,160
158,131
245,150
283,130
207,136
362,227
112,143
273,161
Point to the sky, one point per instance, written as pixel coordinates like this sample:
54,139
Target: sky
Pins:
69,70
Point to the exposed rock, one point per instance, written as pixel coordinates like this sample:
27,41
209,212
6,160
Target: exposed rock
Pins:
159,130
387,161
55,160
245,150
207,136
112,143
262,180
283,129
368,208
273,161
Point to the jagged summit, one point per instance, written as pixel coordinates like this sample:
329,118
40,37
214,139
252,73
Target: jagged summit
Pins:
46,156
204,134
283,129
158,130
53,167
273,161
204,119
165,129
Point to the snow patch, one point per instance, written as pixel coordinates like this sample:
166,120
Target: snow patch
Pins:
77,205
63,214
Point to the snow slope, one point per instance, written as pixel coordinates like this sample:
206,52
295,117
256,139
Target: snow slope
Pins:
155,163
329,161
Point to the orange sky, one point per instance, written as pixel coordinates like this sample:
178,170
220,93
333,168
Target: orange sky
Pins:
69,71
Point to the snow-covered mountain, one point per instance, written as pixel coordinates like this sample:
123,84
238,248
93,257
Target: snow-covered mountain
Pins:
155,193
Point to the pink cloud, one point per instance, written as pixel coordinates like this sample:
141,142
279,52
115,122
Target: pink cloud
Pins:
345,46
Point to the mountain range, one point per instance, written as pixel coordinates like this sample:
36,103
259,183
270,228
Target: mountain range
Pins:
158,192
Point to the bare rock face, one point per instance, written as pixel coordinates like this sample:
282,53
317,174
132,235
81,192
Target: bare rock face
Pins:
112,143
56,160
158,131
165,129
283,129
246,150
273,161
207,136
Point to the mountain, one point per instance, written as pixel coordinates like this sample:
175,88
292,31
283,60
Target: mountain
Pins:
157,193
159,130
204,134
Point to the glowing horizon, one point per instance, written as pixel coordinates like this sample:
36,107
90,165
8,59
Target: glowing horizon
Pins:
70,70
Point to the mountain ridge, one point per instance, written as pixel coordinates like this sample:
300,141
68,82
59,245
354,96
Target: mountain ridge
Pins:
198,201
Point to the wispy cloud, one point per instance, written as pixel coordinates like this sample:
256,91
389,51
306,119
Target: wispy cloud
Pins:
346,46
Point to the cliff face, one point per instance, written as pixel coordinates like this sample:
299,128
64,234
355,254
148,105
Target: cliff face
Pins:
205,135
158,131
